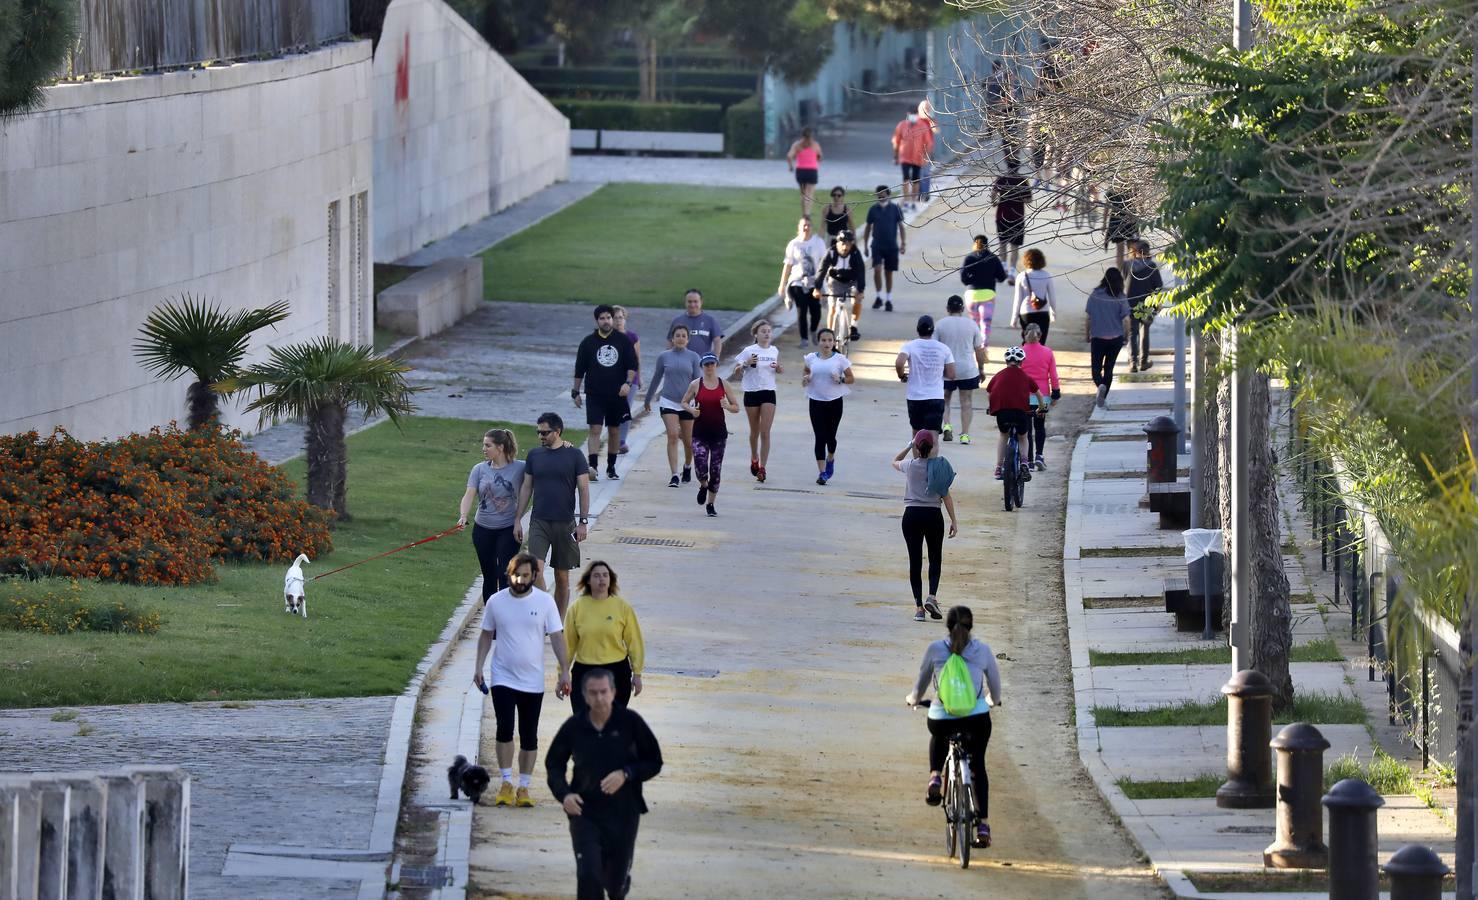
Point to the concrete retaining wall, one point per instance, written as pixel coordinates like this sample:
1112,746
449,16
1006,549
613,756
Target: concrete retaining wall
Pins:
246,183
431,300
459,135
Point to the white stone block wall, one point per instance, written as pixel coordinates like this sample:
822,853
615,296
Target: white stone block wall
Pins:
123,193
459,135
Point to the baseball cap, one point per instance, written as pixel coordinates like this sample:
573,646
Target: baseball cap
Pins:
707,358
925,325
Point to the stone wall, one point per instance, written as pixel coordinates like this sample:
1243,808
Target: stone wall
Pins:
245,184
459,135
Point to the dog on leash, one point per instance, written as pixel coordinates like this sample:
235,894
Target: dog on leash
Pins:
468,779
294,601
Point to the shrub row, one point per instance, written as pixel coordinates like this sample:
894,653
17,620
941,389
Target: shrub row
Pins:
744,129
629,115
156,508
54,612
723,97
691,58
542,77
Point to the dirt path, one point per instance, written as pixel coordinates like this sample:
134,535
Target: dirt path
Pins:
797,770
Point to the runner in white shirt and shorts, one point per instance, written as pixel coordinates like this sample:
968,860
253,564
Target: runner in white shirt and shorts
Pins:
929,365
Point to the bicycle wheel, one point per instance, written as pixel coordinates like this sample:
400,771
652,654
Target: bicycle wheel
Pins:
1010,474
964,811
1020,493
951,836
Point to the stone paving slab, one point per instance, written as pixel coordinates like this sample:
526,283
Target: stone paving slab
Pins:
1146,630
1121,456
1145,687
262,773
1109,577
1182,752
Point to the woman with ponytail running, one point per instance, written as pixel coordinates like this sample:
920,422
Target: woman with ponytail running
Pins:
708,398
975,725
826,376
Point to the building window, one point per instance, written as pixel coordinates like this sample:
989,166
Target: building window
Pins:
333,270
359,272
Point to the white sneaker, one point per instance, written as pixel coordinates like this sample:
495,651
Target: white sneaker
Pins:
1103,396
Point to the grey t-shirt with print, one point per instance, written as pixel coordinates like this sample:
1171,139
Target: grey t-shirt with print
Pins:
497,492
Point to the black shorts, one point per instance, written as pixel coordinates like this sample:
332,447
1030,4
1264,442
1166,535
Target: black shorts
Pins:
926,415
759,398
963,384
682,414
1007,418
885,256
805,176
511,705
910,171
1013,233
609,410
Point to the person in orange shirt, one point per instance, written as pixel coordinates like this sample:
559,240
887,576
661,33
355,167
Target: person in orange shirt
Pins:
913,141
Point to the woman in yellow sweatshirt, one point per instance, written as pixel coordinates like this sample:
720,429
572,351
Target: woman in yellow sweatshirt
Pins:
603,633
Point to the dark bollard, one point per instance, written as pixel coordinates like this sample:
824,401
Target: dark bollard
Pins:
1249,730
1353,874
1416,873
1300,842
1160,461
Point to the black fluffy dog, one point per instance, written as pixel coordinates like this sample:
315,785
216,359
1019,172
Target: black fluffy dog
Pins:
469,779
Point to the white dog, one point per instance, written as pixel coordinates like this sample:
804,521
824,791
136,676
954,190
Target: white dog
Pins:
292,590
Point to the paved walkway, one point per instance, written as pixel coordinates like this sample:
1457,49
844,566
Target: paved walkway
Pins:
1107,611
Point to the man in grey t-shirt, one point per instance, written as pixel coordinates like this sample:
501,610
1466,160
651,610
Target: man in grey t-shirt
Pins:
968,348
555,472
704,334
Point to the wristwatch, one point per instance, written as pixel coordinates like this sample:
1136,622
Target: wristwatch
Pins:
584,521
574,393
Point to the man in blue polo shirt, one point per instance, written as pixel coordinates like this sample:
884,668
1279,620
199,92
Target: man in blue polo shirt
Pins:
886,244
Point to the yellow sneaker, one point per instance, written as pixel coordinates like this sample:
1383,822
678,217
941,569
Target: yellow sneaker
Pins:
505,795
523,798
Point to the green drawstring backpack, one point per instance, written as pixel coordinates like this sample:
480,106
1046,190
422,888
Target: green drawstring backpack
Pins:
956,687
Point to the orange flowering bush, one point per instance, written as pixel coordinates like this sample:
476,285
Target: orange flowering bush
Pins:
156,508
57,612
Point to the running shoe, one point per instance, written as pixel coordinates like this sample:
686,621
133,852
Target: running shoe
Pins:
754,466
1102,396
949,432
623,451
805,343
761,475
505,795
918,614
674,482
1145,365
687,474
854,335
702,494
982,835
711,511
611,474
522,798
831,465
998,473
1026,471
888,306
821,479
877,303
1041,465
934,793
964,438
931,606
1134,367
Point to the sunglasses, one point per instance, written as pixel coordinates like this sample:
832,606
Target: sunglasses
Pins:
543,433
837,196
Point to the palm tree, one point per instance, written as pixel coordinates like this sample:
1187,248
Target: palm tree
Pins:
190,336
322,380
35,38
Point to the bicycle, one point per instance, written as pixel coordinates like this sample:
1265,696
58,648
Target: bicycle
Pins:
839,318
959,799
1011,471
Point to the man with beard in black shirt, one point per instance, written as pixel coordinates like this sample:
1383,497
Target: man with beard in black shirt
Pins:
614,752
606,363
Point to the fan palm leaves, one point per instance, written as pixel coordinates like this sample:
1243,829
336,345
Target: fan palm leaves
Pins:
190,335
322,380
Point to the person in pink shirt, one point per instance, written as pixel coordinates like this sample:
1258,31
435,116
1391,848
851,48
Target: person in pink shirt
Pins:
805,161
913,141
1041,365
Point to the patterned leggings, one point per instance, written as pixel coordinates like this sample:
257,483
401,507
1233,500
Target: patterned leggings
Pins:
982,308
708,459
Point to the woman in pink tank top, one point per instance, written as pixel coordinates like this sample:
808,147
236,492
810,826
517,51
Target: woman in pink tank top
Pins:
805,161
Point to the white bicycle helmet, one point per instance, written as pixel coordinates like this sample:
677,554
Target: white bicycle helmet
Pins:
1015,355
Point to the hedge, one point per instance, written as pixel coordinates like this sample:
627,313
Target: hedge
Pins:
628,115
716,58
723,97
744,129
626,77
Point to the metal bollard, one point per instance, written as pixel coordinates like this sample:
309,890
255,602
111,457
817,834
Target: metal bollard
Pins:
1353,874
1416,873
1160,462
1249,782
1300,841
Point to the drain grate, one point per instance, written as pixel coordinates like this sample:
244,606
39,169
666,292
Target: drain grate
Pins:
784,490
867,496
1246,829
686,673
655,542
425,876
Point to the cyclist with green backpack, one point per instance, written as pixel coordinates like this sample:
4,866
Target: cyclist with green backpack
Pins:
961,668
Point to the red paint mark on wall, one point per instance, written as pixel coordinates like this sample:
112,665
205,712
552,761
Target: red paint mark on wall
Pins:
403,73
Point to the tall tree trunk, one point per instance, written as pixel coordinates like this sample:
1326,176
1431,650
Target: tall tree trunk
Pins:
1208,439
341,465
1464,865
1271,628
204,406
320,451
1222,508
646,68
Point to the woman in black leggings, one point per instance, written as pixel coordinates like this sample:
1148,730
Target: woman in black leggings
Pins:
922,522
494,485
826,377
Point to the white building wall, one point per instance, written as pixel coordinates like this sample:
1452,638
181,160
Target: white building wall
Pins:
459,135
120,194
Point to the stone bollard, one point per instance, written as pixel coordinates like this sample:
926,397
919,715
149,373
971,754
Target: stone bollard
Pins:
1352,841
1161,463
20,838
1416,873
86,821
1249,782
166,830
123,860
1300,841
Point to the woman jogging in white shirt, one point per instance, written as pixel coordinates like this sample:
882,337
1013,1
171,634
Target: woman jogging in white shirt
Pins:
757,365
826,377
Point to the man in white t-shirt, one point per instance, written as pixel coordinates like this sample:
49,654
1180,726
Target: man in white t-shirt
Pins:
803,256
963,339
929,365
518,618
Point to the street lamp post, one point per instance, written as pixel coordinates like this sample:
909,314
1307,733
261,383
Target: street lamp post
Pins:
1241,635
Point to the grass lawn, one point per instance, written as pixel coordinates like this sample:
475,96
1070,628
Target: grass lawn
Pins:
644,245
1315,707
368,626
1322,650
1388,776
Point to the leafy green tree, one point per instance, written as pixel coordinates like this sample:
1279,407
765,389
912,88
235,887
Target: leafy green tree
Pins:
35,36
322,381
192,336
793,37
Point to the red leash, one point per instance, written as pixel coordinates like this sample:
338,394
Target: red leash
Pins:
425,540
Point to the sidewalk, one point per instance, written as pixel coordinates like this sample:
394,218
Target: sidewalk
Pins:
1113,605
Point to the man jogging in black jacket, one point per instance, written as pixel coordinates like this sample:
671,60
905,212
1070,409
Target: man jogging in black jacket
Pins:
614,752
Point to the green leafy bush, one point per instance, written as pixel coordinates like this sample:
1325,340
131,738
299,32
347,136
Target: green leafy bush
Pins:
629,115
625,77
66,612
724,97
744,129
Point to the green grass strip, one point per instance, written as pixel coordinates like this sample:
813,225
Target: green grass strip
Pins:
1387,775
230,640
1201,786
1314,707
1322,650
